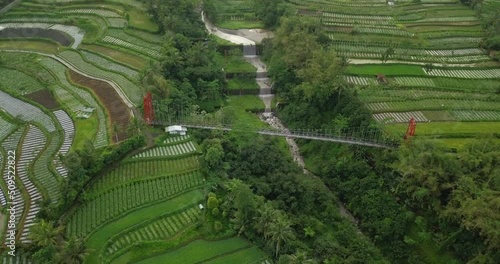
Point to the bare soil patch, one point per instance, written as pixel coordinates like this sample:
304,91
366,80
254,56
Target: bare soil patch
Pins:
44,98
118,112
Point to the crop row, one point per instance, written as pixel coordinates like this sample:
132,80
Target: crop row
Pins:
174,150
130,89
448,19
367,48
160,229
455,40
25,111
399,117
432,104
360,80
370,95
117,201
472,74
128,45
356,17
171,140
455,59
354,21
112,66
5,128
450,33
100,12
78,95
128,171
465,115
120,34
414,81
32,145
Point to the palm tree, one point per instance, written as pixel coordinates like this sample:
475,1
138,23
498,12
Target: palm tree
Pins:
280,231
72,251
266,214
45,233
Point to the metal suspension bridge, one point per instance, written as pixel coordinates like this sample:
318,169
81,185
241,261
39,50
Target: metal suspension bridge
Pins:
362,137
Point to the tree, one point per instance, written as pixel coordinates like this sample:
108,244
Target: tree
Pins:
45,233
72,251
264,218
280,232
428,174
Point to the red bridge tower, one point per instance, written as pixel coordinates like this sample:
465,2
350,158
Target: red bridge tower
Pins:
149,113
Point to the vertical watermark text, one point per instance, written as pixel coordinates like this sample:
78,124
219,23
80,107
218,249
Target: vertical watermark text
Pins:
10,238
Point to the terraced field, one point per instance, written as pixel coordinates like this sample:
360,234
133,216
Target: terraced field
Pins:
32,64
121,208
434,67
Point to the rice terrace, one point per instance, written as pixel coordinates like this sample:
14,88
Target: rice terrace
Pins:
249,131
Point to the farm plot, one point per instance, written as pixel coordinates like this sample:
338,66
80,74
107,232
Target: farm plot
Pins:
99,12
32,145
467,84
120,200
117,22
127,58
69,133
172,140
382,95
465,73
439,115
199,251
400,117
116,181
119,113
25,111
76,96
148,213
50,30
44,98
243,256
161,228
174,150
41,168
123,35
434,104
110,65
465,115
18,82
129,171
5,128
128,45
130,89
153,38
